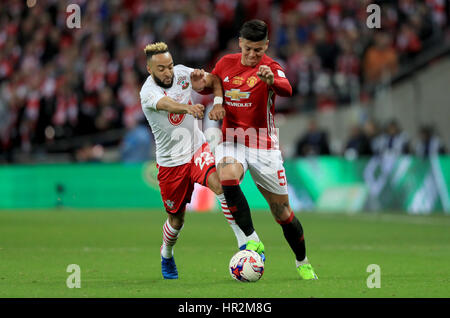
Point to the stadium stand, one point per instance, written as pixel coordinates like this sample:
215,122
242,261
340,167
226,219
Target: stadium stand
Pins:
69,90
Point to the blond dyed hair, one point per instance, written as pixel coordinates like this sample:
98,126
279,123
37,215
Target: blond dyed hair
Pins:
155,48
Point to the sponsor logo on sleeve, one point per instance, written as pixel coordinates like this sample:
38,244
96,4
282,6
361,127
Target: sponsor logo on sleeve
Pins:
281,73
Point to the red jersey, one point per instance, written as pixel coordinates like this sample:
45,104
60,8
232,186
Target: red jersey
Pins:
249,102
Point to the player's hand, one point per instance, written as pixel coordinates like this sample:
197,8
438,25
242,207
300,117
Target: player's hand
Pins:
217,113
265,74
198,80
196,110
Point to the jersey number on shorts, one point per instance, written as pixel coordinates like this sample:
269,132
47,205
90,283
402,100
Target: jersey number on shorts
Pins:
204,158
282,177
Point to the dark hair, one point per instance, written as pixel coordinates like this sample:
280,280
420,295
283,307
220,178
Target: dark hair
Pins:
254,30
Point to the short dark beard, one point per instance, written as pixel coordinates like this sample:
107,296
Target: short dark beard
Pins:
160,83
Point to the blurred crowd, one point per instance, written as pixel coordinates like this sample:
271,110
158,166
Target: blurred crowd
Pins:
57,83
372,139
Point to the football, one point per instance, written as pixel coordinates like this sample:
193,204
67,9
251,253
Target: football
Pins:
246,266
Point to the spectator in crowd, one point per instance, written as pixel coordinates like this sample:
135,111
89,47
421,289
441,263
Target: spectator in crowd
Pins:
327,50
393,140
429,143
358,143
346,76
408,42
371,130
381,59
314,142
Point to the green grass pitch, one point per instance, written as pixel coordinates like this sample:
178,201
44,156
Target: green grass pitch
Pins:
118,253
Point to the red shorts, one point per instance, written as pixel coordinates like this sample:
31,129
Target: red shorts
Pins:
177,183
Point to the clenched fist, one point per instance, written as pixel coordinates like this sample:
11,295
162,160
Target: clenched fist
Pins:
198,80
265,74
196,110
217,113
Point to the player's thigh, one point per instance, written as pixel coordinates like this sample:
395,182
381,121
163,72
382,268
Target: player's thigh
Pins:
176,187
231,161
267,170
203,166
213,183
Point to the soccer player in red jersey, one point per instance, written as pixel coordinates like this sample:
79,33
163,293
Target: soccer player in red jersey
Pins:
251,80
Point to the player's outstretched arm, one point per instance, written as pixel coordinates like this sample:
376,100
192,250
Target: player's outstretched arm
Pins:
171,106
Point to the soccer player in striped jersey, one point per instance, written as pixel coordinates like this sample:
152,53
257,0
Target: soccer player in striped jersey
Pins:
250,81
182,154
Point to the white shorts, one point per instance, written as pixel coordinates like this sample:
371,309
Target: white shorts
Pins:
265,165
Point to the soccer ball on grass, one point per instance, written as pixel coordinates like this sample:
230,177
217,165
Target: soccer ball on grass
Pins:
246,266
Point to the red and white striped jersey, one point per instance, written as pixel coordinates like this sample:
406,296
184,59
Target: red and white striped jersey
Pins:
249,102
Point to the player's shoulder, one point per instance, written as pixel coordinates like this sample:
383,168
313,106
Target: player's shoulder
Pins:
180,68
230,58
149,89
267,60
147,85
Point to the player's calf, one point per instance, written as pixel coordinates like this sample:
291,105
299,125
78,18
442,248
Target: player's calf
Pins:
238,205
293,233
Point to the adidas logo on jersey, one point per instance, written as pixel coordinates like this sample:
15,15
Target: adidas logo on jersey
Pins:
226,79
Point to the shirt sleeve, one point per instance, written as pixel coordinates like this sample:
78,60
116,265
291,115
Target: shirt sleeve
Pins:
281,85
150,98
218,68
185,70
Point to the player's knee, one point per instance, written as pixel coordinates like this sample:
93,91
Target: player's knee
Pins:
230,170
176,220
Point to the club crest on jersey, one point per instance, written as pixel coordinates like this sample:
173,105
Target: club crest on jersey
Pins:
237,80
182,80
170,204
176,119
236,94
251,81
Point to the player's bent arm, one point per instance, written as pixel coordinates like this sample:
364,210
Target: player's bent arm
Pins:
282,87
171,106
168,104
213,82
212,85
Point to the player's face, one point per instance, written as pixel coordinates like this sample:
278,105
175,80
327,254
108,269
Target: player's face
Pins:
160,67
252,52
